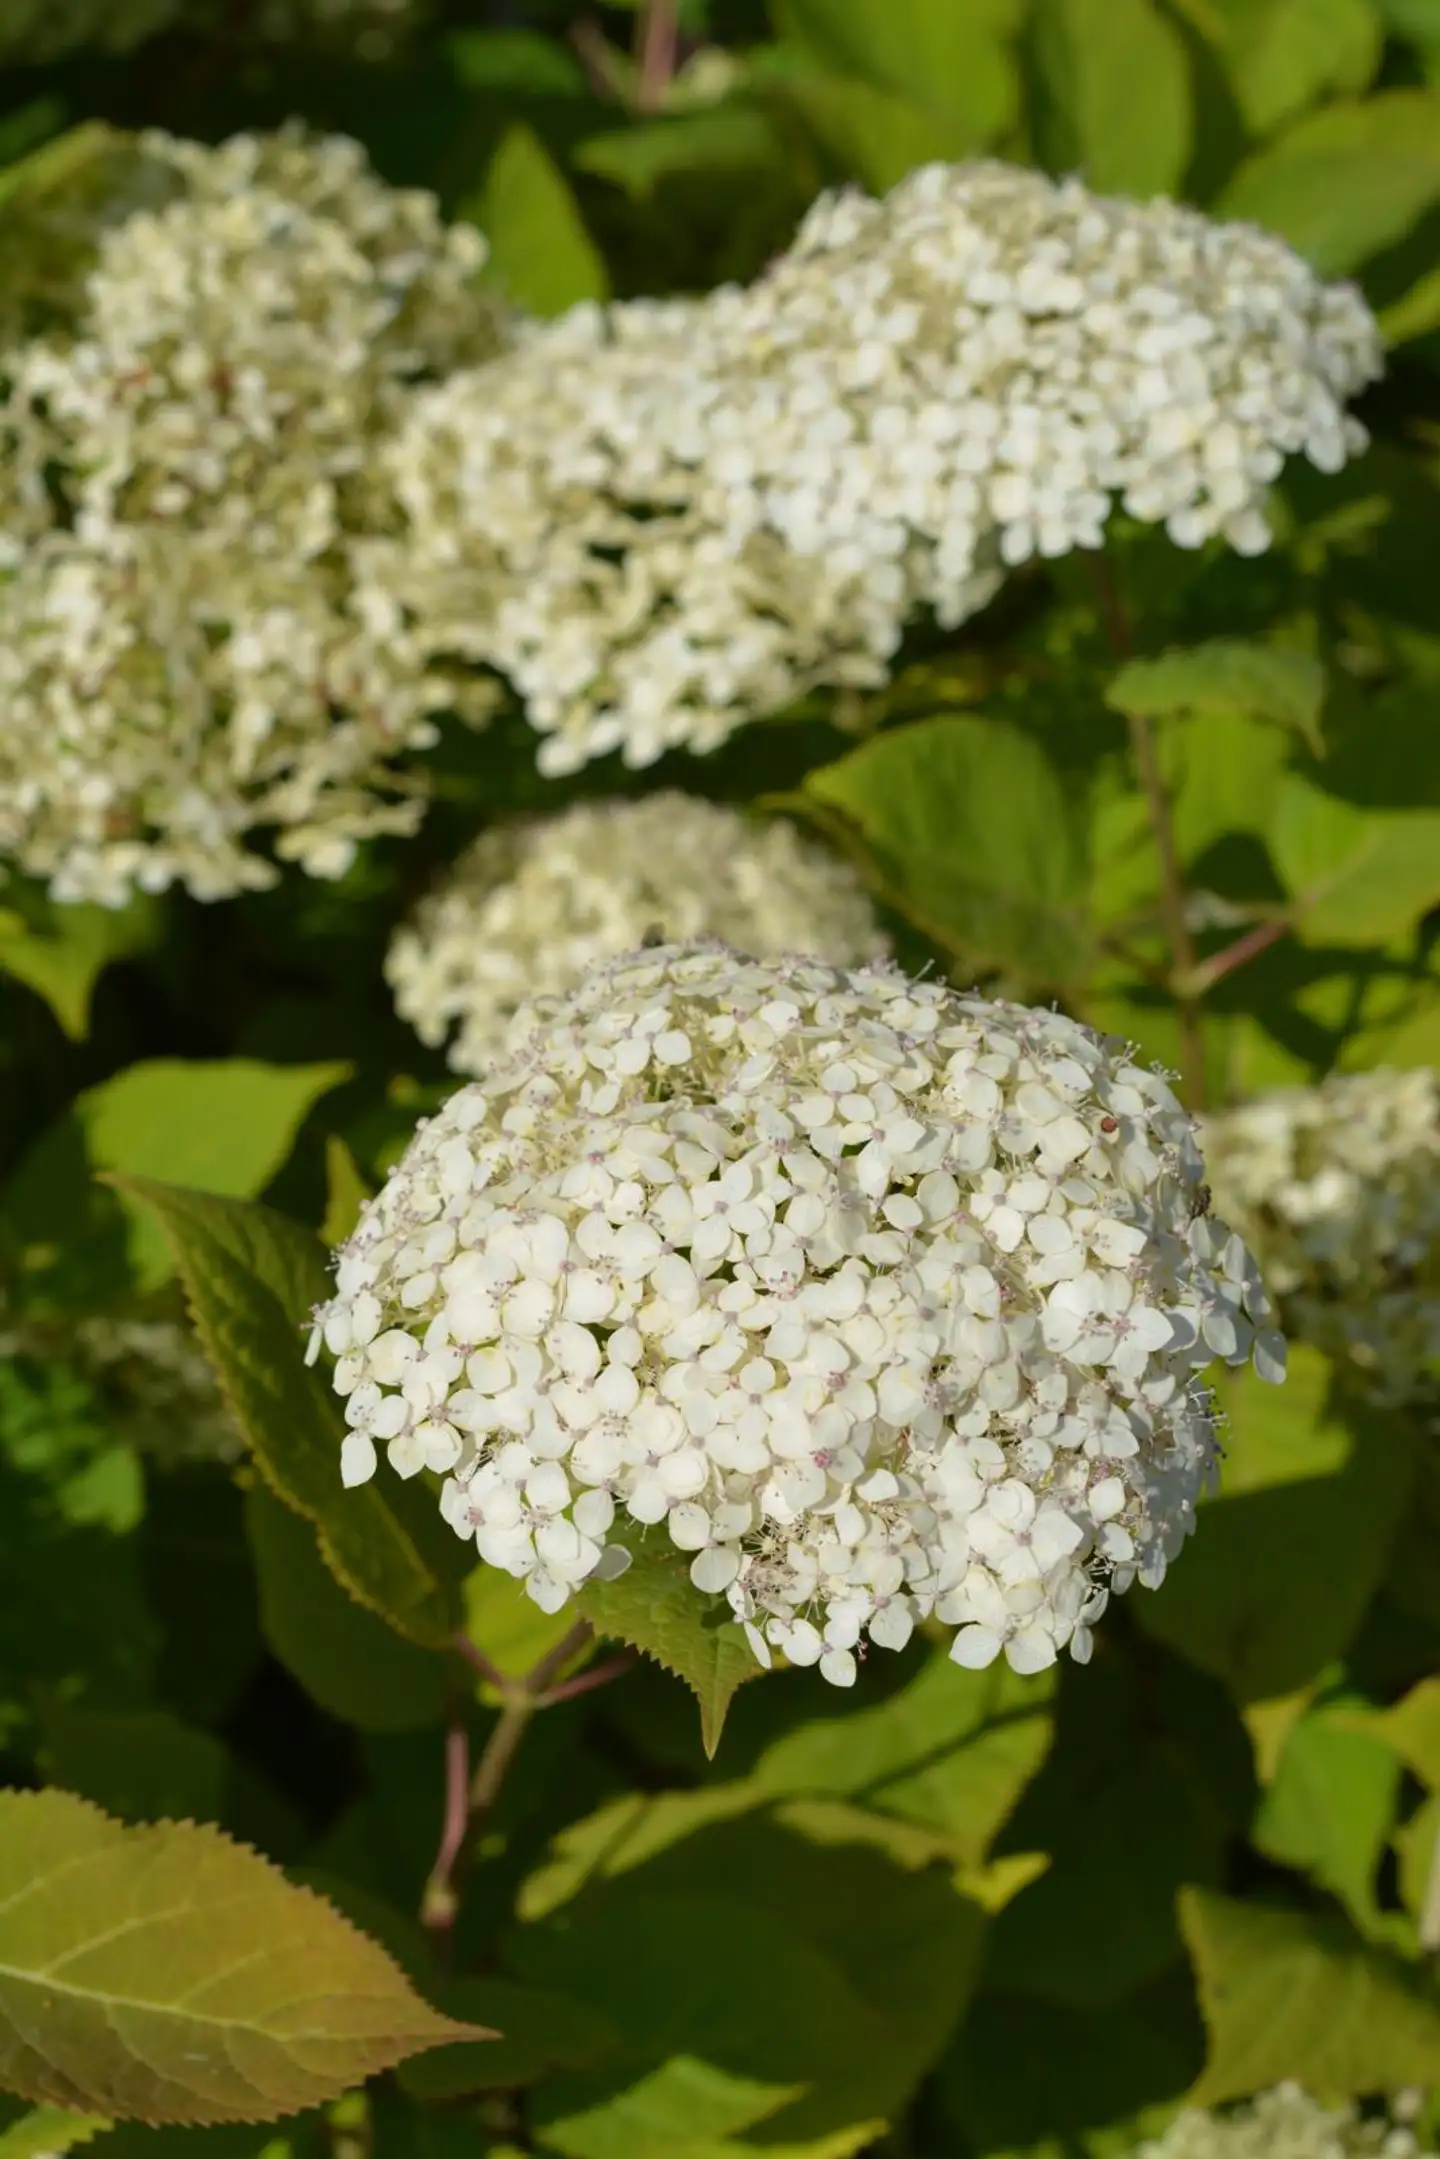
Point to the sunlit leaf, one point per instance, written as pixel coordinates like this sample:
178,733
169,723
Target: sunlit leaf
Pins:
947,59
44,2132
656,1609
198,1984
1330,1807
1116,89
63,958
1346,181
540,252
1224,676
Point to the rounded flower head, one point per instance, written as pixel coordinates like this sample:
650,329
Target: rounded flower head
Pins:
532,908
1282,2124
664,519
880,1300
1338,1188
192,644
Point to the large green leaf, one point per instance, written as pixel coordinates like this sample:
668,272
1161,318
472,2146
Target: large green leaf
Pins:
1115,93
165,1974
1280,1570
540,253
224,1127
1346,181
1331,1806
62,956
352,1663
1286,1995
736,137
947,59
46,2131
974,836
1410,1729
1283,55
952,1751
1224,676
137,1764
1358,876
252,1278
656,1609
542,2032
874,136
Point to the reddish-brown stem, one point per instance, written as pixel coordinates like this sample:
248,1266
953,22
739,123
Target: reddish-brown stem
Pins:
537,1681
440,1903
1250,946
593,51
1430,1909
476,1658
1162,831
658,49
598,1675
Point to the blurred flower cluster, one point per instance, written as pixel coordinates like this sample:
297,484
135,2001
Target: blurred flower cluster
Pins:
1338,1189
531,908
1282,2124
193,642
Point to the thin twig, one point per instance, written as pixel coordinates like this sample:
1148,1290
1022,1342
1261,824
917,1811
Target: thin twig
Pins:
597,58
1239,954
440,1903
1172,883
1430,1909
598,1675
550,1667
476,1658
659,47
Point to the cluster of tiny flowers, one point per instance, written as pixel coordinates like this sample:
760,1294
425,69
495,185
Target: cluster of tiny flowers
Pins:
663,519
152,1377
34,32
192,643
533,907
882,1301
1282,2124
1338,1189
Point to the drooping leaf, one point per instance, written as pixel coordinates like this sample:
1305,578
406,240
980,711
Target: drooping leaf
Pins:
1330,1807
1345,181
45,2132
352,1663
252,1278
1116,93
1286,1995
224,1126
656,1609
1357,876
198,1984
974,837
1282,1565
62,957
952,1750
541,255
1226,676
945,59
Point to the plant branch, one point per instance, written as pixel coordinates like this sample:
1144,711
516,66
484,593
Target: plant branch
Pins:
440,1903
658,45
1207,973
599,1675
1162,828
1430,1909
476,1658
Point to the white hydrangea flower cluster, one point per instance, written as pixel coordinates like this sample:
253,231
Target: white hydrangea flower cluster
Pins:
886,1301
1338,1188
663,519
192,643
532,907
1282,2124
34,32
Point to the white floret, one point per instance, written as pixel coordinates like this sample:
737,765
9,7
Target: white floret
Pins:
1285,2123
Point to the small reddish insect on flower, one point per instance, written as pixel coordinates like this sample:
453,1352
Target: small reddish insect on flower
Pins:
1109,1124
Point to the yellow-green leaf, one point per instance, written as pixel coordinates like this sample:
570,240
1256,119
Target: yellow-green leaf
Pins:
1285,1995
252,1278
63,958
46,2131
655,1607
167,1975
541,256
1410,1729
1346,181
1115,93
1225,675
944,58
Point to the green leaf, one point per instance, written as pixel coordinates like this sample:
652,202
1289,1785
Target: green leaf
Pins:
1115,94
1330,1807
541,2032
875,136
1358,876
219,1127
736,137
508,1626
345,1192
137,1764
353,1664
63,957
198,1984
540,253
1282,1566
952,1750
46,2131
1225,676
1284,55
516,62
1285,1995
656,1609
1411,1730
1346,181
252,1278
974,836
946,59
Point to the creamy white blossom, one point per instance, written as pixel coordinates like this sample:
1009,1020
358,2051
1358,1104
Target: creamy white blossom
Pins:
192,644
881,1300
533,906
1338,1189
661,519
1282,2124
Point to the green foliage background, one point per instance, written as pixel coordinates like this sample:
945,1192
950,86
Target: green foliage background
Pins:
956,1914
